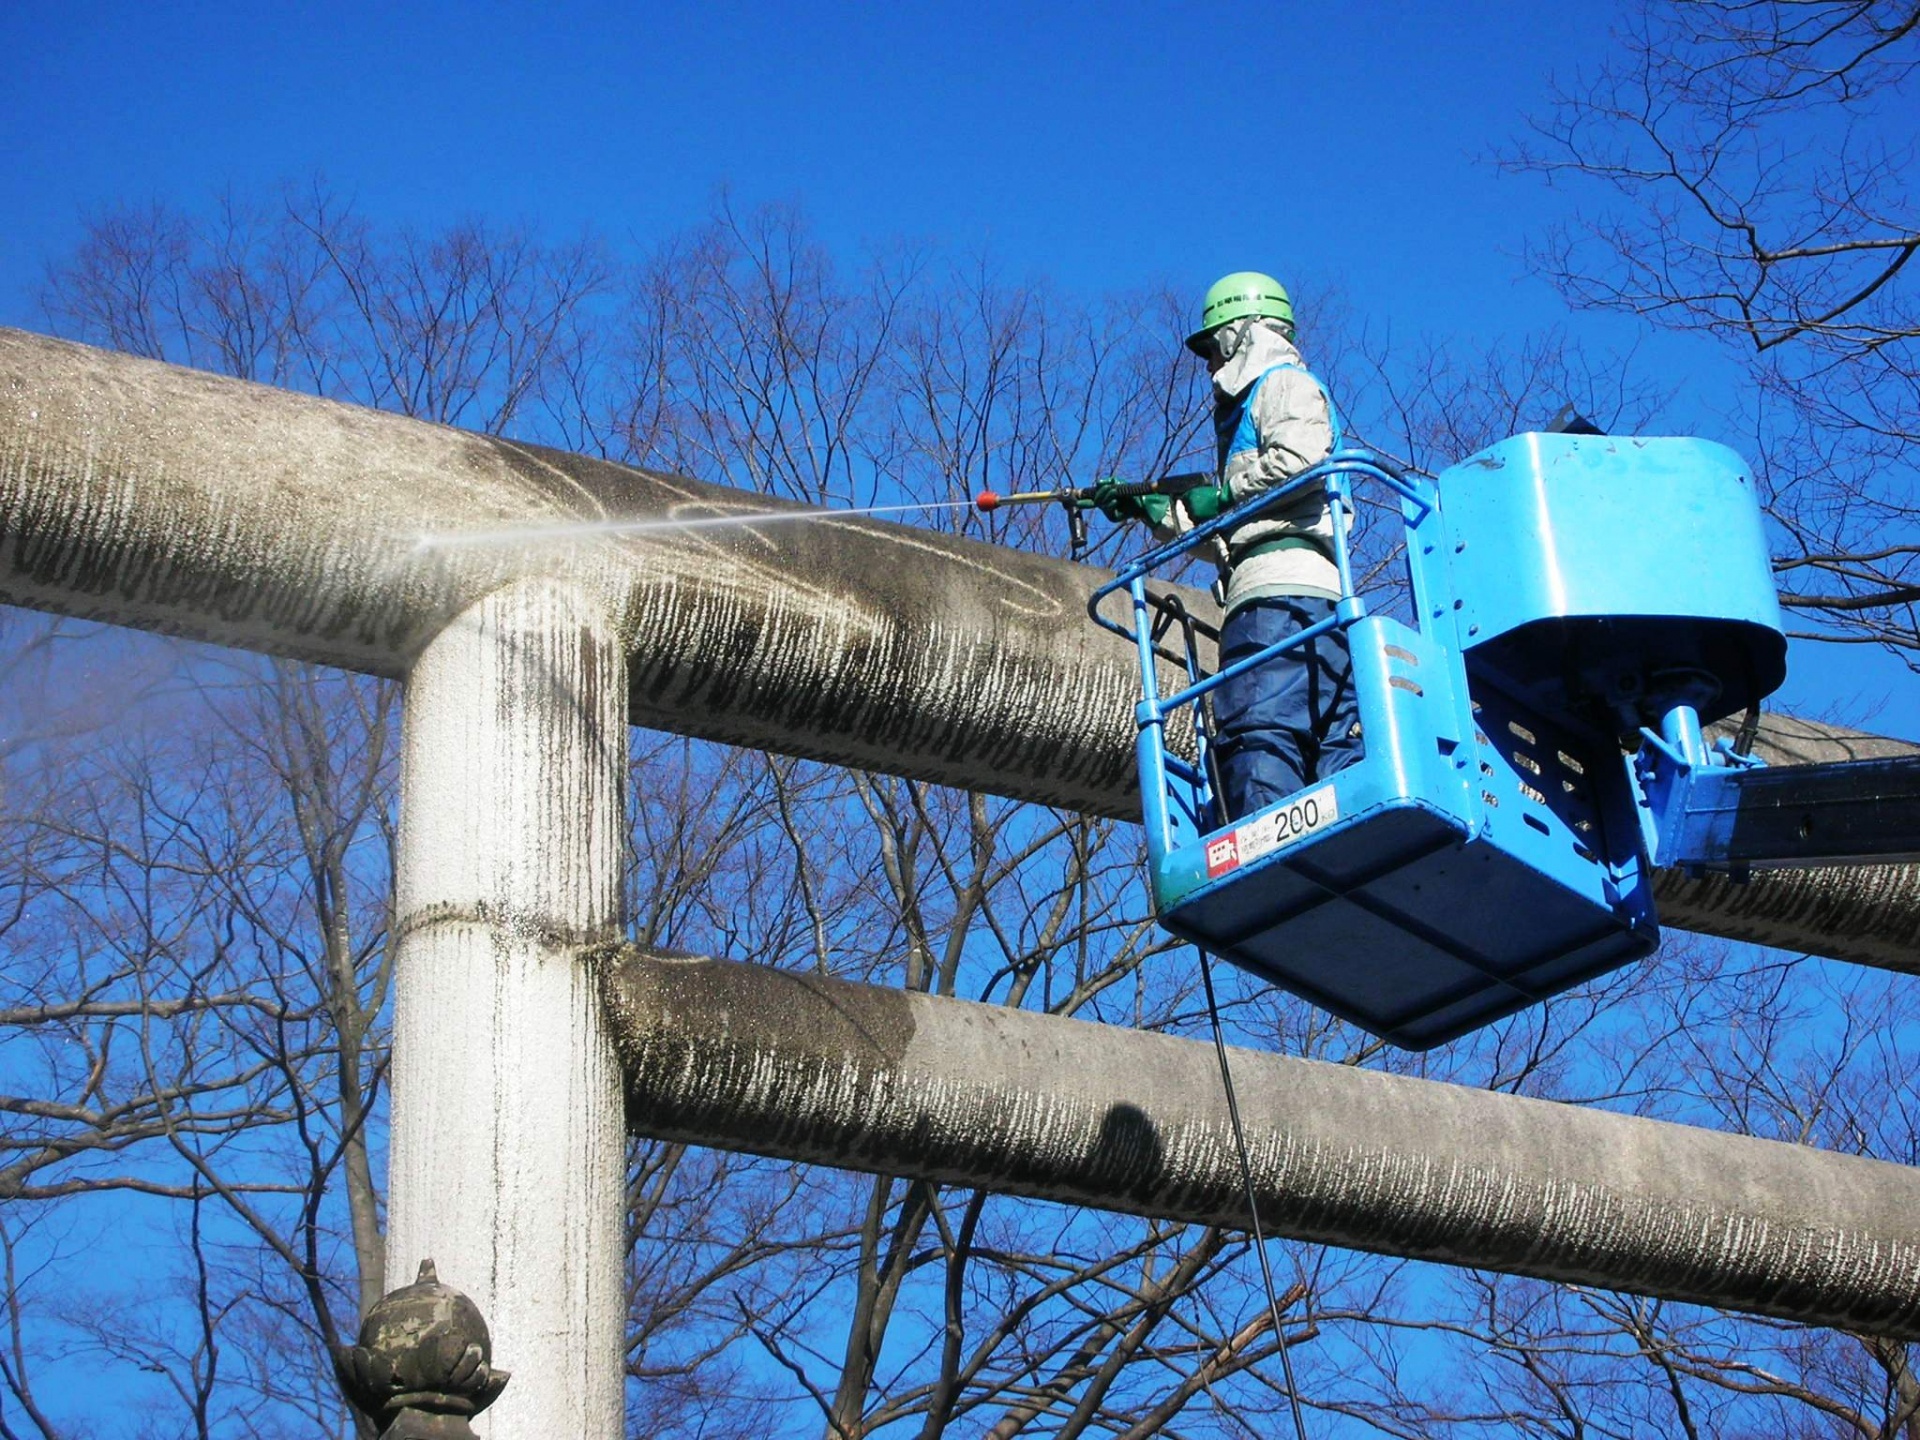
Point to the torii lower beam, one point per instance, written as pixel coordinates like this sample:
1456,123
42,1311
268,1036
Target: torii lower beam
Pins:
896,1082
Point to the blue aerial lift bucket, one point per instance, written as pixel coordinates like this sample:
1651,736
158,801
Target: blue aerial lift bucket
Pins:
1495,843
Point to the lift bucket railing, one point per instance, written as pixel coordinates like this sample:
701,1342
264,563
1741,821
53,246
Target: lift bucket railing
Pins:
1177,794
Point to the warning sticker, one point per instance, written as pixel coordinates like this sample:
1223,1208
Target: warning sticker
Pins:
1222,855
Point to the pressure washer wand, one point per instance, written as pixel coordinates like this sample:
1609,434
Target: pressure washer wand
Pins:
1078,499
1081,496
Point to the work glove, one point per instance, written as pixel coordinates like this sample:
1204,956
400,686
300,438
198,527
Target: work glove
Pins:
1119,508
1203,502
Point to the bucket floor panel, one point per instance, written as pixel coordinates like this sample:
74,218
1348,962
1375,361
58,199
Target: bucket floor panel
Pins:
1407,928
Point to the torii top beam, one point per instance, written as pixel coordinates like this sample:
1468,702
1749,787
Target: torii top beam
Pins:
168,499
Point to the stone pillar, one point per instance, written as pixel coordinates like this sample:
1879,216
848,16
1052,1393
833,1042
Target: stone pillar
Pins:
507,1148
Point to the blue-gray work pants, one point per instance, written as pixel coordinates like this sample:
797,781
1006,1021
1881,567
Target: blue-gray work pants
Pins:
1290,721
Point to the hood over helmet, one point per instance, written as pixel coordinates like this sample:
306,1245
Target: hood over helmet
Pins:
1249,348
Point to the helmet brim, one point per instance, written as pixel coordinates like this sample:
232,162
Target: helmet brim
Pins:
1200,342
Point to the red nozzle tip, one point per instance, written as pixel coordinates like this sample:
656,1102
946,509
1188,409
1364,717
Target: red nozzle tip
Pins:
986,500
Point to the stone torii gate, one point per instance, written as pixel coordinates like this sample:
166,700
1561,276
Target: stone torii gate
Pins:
152,496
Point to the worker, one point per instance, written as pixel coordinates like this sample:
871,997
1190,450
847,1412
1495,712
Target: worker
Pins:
1294,720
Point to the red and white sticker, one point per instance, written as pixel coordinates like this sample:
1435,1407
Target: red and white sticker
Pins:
1263,834
1222,855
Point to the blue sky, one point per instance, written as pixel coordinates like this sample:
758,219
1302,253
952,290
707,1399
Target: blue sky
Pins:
1099,145
1102,146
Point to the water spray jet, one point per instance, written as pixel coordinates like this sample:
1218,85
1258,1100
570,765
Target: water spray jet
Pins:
599,529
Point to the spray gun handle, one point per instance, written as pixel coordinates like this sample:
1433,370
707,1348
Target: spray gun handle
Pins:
1164,485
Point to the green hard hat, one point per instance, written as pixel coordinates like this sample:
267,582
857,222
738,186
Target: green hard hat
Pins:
1245,292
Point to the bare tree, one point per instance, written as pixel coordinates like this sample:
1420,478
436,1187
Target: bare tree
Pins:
923,381
1739,172
198,908
1750,170
201,888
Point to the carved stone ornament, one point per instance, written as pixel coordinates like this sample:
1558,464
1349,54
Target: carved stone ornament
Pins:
423,1366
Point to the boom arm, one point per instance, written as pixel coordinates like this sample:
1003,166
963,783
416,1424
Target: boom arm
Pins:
1735,819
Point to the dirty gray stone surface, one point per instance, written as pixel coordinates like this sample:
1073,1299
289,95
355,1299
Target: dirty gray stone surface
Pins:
149,495
807,1068
172,500
507,1142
